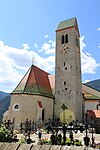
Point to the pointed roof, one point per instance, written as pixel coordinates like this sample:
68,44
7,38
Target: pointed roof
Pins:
68,24
35,81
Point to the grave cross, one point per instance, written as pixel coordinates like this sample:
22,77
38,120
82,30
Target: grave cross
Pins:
64,106
64,127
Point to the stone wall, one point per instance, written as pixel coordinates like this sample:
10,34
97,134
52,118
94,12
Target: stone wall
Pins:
16,146
68,84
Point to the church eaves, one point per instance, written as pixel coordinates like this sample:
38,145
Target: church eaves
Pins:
88,96
35,82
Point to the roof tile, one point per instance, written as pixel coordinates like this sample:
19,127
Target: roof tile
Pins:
35,81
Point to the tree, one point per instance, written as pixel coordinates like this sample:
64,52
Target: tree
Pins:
5,134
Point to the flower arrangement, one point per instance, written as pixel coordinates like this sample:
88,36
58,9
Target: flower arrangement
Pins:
22,140
45,140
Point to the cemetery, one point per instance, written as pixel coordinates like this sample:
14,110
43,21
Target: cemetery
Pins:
53,135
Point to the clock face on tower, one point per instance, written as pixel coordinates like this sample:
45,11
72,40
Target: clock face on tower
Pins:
64,49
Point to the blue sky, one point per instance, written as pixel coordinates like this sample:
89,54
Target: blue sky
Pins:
27,30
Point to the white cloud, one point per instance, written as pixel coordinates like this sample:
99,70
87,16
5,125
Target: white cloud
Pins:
98,28
54,44
50,41
89,64
15,62
86,81
26,46
48,48
82,44
46,36
35,44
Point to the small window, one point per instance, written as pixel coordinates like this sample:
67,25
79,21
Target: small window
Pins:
64,63
66,89
63,39
69,91
66,38
64,82
59,68
58,92
16,107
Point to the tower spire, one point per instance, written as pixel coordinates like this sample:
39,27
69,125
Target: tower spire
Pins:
33,61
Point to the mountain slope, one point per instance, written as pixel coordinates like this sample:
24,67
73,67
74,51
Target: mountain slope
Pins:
4,105
94,84
3,95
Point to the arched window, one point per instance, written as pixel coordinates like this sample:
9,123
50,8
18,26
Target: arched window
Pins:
66,38
64,82
62,39
16,107
98,106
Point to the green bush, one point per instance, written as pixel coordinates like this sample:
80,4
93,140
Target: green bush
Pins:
78,143
5,134
75,142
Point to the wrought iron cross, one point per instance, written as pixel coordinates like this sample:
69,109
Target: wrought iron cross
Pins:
64,106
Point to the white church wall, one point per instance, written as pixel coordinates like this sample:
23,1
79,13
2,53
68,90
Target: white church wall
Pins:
91,105
28,108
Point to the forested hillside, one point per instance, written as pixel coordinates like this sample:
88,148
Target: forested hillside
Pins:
3,95
4,103
94,84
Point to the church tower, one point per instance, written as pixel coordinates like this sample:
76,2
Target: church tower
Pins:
68,84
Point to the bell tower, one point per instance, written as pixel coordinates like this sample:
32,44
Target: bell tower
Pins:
68,84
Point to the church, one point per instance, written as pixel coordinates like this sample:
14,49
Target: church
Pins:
39,94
